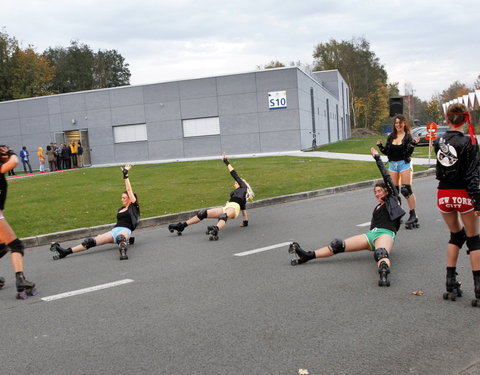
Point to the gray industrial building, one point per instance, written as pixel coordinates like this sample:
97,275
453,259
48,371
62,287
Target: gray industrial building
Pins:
255,112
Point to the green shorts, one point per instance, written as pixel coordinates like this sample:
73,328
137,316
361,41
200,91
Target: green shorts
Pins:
373,234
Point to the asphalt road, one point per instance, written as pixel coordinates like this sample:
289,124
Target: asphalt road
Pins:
194,307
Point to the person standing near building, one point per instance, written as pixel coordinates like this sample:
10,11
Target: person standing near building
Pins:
52,164
80,155
458,196
41,159
73,154
66,156
25,157
8,238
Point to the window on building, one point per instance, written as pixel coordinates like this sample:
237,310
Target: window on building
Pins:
130,133
201,126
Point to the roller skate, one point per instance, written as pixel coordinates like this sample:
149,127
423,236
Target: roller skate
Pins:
212,231
179,227
123,251
476,281
412,221
453,285
25,288
301,256
2,282
383,271
58,251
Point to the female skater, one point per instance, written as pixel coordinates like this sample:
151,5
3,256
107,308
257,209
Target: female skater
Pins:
458,196
399,149
127,219
236,203
381,237
25,288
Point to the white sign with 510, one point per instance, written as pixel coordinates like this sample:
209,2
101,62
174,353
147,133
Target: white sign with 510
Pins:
277,99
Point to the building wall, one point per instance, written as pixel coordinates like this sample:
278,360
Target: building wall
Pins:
240,101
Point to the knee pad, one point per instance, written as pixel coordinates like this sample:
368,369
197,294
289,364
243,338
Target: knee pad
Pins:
202,214
380,253
3,250
458,238
16,246
337,246
473,243
223,217
121,239
406,191
89,242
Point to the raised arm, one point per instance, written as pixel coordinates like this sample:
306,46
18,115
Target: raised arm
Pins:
128,186
385,175
232,171
8,159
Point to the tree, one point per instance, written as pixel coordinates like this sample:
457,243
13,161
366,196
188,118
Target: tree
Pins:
30,74
271,65
78,68
110,70
455,90
362,71
8,46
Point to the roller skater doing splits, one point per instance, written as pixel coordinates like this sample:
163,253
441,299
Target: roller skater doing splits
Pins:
8,239
399,149
381,237
458,196
127,219
236,203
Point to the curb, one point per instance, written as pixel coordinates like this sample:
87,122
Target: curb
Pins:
74,234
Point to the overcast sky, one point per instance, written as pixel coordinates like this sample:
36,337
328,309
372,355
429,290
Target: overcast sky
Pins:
427,44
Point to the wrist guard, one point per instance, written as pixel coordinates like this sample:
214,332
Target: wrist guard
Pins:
226,161
125,173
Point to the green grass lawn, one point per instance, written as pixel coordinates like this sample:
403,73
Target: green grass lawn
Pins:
362,146
90,196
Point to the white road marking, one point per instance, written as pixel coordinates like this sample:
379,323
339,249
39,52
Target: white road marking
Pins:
262,249
364,224
86,290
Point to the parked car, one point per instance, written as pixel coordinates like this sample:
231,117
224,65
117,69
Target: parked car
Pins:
421,132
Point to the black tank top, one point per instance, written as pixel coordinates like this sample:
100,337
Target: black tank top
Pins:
396,152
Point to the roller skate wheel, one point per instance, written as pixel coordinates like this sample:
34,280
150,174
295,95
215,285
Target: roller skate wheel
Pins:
388,283
210,238
56,257
445,296
22,295
215,238
32,292
453,297
291,250
179,233
294,262
474,302
171,230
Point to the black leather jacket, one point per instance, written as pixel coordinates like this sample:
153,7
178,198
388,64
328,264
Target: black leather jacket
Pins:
408,146
458,164
392,199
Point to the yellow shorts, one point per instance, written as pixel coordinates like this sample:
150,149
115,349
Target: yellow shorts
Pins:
233,205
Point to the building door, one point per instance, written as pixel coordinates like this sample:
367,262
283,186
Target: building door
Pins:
87,161
76,135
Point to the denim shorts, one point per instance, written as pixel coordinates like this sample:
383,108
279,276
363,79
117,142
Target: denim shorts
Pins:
117,230
398,166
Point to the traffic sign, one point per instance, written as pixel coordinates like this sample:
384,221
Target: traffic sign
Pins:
432,127
431,136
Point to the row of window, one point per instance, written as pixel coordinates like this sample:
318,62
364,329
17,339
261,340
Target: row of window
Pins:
191,128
